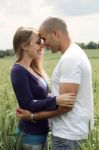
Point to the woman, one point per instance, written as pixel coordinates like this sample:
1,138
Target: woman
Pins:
31,88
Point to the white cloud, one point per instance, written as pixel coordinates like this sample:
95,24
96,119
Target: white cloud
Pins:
84,28
74,7
14,14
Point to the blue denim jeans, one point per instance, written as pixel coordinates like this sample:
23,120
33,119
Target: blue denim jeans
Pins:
42,146
32,142
64,144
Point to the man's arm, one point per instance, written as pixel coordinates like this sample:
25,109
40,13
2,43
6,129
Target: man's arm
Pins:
63,88
51,114
68,88
27,115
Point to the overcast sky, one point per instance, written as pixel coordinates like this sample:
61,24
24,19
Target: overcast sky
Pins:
81,16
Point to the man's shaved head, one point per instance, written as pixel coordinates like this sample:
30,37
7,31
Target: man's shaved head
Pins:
53,23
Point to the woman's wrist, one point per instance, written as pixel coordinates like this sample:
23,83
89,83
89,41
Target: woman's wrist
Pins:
32,117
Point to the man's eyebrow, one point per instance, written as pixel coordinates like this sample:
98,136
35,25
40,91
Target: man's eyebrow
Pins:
43,38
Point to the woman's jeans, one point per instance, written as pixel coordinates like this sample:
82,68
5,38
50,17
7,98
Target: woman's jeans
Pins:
42,146
32,142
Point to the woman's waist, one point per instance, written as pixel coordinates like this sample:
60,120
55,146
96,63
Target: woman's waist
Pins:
32,138
34,127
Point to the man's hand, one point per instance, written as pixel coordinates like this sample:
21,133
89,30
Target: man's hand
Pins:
23,114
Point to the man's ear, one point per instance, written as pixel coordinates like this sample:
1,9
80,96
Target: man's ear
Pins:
56,33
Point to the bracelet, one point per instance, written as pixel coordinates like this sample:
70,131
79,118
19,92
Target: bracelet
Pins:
32,117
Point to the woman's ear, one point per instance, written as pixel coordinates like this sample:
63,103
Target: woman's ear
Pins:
23,46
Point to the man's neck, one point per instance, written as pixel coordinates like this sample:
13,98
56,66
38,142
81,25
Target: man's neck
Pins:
65,44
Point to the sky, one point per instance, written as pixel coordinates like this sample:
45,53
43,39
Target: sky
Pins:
81,17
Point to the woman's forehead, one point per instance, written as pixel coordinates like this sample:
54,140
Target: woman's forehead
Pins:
35,36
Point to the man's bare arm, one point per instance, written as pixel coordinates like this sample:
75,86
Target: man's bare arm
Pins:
63,88
27,115
51,114
68,88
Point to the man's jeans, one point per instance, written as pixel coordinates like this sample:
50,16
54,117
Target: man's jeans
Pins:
64,144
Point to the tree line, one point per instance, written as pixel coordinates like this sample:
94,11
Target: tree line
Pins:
90,45
7,52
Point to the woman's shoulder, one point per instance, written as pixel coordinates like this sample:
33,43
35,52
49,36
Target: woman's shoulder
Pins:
17,69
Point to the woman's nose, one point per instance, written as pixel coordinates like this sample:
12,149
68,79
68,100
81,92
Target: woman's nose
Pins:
42,45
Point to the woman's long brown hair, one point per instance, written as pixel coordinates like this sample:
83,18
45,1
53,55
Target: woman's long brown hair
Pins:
23,36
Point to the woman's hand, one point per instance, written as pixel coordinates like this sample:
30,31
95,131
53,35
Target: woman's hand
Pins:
66,100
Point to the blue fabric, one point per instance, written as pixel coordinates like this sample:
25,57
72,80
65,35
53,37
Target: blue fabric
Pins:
31,95
32,139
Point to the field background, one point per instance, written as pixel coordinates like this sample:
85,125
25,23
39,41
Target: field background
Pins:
8,101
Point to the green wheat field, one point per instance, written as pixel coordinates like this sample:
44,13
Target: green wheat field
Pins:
8,120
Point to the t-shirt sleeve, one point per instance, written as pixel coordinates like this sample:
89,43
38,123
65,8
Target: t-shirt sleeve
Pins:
70,70
24,96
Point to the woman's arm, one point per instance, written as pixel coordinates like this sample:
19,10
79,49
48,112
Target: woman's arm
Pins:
23,93
26,100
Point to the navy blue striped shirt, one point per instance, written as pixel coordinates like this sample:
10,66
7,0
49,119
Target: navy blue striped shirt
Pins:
31,94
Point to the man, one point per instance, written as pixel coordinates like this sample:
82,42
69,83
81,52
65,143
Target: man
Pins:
72,74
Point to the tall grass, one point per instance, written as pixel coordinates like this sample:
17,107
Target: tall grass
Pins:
8,138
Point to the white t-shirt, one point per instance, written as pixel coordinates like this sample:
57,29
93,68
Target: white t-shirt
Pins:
74,67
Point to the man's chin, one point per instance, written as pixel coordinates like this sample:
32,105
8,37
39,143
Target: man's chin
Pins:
54,51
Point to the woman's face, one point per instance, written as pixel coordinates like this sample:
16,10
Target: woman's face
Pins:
35,48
